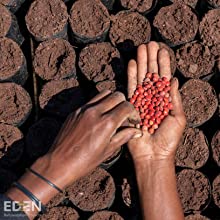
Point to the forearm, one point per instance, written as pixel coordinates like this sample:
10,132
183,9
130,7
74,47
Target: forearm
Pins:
158,192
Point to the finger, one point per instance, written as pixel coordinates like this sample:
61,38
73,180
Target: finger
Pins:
123,136
132,77
141,63
152,52
110,102
100,96
164,63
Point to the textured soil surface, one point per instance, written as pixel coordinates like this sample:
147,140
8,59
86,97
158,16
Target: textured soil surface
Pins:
196,217
195,60
93,192
106,215
5,20
177,24
193,150
216,147
216,190
197,94
59,198
194,190
216,52
191,3
138,5
55,59
46,18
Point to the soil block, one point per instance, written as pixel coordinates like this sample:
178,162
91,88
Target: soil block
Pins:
6,179
41,136
129,30
9,25
55,59
172,56
142,6
15,104
216,147
196,217
106,215
209,28
100,61
195,60
193,150
214,3
89,21
216,190
11,145
47,19
61,97
177,24
13,5
191,3
94,192
198,95
13,66
194,190
60,213
55,201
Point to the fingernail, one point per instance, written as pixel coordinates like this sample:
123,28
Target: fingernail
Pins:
138,135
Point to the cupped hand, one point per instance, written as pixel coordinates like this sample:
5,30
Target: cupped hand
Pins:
163,143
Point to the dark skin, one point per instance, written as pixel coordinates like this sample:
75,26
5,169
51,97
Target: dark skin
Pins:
90,135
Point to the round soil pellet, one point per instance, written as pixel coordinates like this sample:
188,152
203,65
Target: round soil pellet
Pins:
13,63
13,5
6,179
216,190
47,19
89,21
194,190
41,136
60,213
141,6
101,61
193,150
94,192
177,24
109,85
196,217
198,95
209,28
11,145
129,30
61,97
15,104
5,21
214,3
106,215
216,147
57,200
195,60
172,56
55,59
191,3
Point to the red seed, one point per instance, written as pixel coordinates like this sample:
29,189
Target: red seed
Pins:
155,126
151,130
147,116
158,121
151,122
158,84
170,106
140,90
149,75
162,93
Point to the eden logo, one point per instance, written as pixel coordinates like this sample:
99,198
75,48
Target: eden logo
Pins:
15,206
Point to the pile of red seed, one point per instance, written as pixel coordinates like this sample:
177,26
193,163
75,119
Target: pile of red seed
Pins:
152,99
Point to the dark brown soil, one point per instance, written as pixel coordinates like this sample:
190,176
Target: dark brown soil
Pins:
60,213
177,24
93,192
209,28
126,192
195,60
216,147
100,62
13,5
109,85
138,5
60,197
199,101
47,18
172,56
106,215
89,18
6,179
196,217
55,59
41,136
61,97
15,104
214,3
191,3
5,21
194,190
129,30
193,150
216,190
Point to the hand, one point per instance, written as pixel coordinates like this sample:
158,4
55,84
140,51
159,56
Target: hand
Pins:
163,144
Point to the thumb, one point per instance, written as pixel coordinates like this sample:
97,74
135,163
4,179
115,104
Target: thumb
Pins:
123,136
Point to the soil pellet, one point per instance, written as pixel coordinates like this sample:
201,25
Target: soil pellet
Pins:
129,30
191,3
216,190
47,19
94,192
15,104
215,50
55,59
13,66
12,5
216,147
177,24
89,21
196,217
106,215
